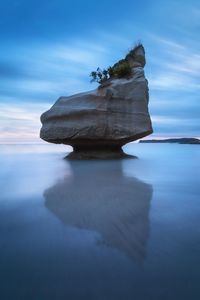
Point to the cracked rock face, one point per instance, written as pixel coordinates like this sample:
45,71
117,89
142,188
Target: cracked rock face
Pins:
105,118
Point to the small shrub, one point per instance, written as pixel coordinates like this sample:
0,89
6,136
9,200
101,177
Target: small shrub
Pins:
122,69
99,75
110,71
132,52
93,74
133,55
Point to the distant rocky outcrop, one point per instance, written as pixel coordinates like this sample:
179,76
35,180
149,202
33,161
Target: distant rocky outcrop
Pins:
192,141
104,119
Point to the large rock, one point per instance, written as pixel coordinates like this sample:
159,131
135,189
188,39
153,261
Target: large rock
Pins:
101,120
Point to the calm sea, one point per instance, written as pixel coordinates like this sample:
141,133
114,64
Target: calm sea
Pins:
100,230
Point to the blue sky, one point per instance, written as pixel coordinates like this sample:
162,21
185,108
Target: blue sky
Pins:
49,47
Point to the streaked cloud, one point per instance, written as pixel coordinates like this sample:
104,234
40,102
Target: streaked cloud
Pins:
178,67
55,57
20,122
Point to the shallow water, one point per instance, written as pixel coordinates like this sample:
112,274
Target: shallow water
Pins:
100,229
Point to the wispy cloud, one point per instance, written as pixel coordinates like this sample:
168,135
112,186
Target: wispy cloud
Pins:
34,74
51,70
178,67
173,81
20,122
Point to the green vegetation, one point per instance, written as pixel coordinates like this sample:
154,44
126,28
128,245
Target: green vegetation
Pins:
122,69
99,75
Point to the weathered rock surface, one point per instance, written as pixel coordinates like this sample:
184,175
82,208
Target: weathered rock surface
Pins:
103,119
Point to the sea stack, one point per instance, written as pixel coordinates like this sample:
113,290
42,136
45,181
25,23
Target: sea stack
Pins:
98,123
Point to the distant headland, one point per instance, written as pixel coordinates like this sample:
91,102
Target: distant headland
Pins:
192,141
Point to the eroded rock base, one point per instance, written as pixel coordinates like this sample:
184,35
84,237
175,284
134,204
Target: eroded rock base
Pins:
87,154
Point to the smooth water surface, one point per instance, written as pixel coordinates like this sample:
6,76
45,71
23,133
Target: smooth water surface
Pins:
126,229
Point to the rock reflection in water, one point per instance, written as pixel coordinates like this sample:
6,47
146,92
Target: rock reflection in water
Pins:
99,197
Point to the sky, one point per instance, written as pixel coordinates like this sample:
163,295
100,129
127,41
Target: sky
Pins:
48,49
